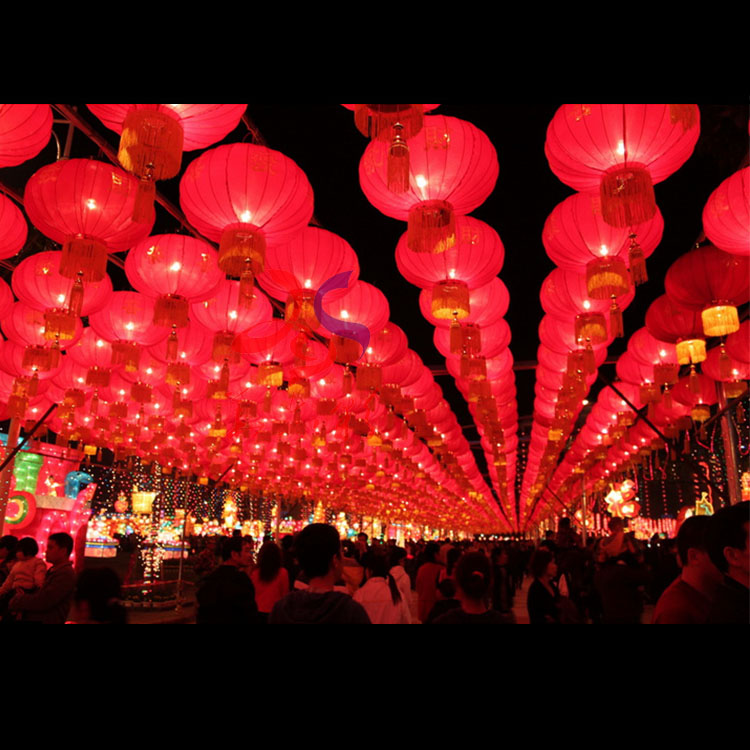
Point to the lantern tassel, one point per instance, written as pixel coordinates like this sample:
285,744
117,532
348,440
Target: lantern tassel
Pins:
627,195
616,326
224,377
75,304
589,360
725,364
667,398
247,286
694,383
348,381
267,398
637,262
432,227
398,162
143,210
172,344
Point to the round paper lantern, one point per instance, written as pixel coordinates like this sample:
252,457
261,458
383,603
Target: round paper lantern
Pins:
723,367
87,207
296,270
453,170
622,150
246,197
6,300
476,258
492,340
176,270
711,281
37,282
394,124
25,130
738,344
674,324
726,218
486,305
13,229
575,235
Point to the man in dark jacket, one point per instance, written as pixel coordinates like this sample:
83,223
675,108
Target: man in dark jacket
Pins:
227,596
318,551
729,548
51,604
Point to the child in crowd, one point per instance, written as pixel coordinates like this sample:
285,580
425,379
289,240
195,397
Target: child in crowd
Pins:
27,574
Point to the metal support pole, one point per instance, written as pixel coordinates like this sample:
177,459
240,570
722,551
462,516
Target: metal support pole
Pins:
731,454
583,512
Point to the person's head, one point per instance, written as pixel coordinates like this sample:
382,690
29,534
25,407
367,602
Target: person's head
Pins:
447,588
97,598
616,525
8,546
377,563
728,544
692,538
269,562
398,555
287,543
59,548
362,538
348,549
453,556
236,551
431,551
474,576
27,548
543,565
318,551
564,524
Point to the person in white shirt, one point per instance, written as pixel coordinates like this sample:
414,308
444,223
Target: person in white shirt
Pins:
380,596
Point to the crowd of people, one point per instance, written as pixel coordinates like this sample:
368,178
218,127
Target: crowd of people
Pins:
701,577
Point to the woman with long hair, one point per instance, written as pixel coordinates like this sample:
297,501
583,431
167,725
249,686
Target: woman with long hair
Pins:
380,595
543,598
270,579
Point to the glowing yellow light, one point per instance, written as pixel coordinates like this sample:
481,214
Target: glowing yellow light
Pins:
91,203
246,217
176,266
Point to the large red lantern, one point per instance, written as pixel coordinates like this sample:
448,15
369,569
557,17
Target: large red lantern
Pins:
713,282
176,270
246,197
453,170
674,324
622,150
87,207
13,229
153,136
726,218
25,130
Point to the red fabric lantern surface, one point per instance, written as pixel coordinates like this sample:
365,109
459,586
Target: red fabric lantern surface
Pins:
621,150
246,197
87,206
565,293
559,335
177,270
37,282
649,350
26,326
91,351
12,362
270,341
709,280
191,345
738,344
362,303
405,372
387,345
224,311
6,299
305,263
494,339
476,258
726,218
488,304
575,234
202,124
735,369
497,366
13,229
453,170
671,323
212,371
632,370
706,393
25,130
128,317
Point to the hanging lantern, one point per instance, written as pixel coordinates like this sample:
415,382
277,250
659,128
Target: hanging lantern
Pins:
690,352
726,218
25,130
720,320
620,149
142,502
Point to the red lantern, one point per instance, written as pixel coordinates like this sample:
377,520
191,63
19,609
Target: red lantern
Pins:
453,170
6,300
175,269
487,305
622,150
13,229
246,197
726,218
576,234
738,344
24,131
709,280
86,206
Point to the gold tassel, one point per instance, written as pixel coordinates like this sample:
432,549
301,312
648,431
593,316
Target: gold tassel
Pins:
348,381
75,305
33,385
267,399
398,162
457,339
589,360
83,256
651,410
667,398
694,383
616,326
627,196
725,364
172,344
247,286
171,310
432,227
143,210
224,377
94,406
238,247
637,262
